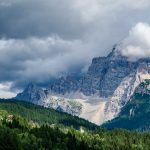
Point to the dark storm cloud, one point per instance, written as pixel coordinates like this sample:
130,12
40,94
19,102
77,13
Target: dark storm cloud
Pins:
39,59
42,39
20,19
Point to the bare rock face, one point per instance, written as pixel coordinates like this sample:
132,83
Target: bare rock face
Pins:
37,95
32,93
111,80
64,85
135,115
144,88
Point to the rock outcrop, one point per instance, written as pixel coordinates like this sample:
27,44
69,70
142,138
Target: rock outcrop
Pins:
135,114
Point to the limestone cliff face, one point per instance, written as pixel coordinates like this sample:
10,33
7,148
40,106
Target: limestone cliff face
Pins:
112,79
135,114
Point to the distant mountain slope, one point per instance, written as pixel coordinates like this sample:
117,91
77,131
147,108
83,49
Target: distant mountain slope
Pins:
136,114
99,94
43,115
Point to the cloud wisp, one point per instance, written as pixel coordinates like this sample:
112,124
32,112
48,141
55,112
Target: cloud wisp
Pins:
5,90
137,44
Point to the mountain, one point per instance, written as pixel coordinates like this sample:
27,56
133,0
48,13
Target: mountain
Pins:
100,94
32,92
37,95
135,115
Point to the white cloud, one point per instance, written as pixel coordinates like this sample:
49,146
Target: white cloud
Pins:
137,44
39,59
5,91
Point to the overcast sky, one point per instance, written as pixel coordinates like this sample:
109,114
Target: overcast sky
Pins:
42,39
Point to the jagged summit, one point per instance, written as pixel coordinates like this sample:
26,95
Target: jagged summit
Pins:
115,52
32,93
105,88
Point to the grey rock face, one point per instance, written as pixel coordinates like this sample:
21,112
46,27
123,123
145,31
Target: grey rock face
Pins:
144,88
139,71
104,75
32,93
135,116
64,85
37,95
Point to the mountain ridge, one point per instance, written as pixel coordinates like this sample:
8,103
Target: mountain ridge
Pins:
102,92
135,115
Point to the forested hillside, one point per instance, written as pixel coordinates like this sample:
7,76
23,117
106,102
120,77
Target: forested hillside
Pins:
24,127
41,115
16,133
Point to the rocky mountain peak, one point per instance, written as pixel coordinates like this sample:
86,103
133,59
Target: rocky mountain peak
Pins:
116,53
32,93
